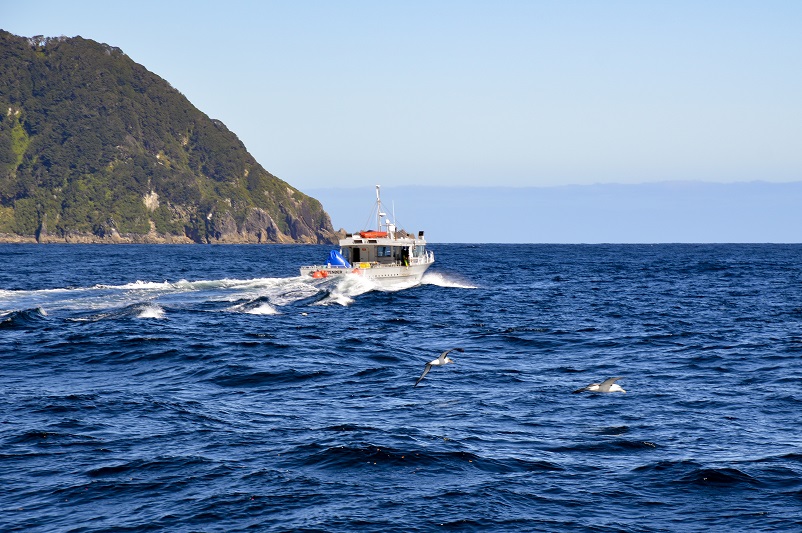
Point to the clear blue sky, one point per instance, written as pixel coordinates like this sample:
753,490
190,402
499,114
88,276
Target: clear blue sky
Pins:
512,93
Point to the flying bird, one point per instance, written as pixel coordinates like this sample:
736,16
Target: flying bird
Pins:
608,385
444,359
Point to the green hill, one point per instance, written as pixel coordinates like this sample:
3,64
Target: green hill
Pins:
95,148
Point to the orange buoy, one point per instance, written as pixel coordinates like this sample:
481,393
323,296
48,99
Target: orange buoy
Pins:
317,274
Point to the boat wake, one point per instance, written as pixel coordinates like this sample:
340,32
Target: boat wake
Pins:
139,310
156,300
346,289
147,299
443,280
259,306
150,310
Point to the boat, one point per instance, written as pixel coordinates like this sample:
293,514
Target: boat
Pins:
385,255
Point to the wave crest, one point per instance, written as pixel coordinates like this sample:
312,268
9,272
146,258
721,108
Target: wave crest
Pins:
23,318
450,281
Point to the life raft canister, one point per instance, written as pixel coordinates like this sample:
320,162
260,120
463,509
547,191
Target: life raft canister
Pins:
317,274
372,234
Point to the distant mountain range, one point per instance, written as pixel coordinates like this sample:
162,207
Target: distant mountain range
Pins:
668,212
95,148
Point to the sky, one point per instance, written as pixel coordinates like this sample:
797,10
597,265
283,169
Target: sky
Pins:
664,212
467,93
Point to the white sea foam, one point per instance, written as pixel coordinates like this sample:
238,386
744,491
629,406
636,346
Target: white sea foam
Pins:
273,292
137,285
151,310
254,308
441,280
347,288
263,309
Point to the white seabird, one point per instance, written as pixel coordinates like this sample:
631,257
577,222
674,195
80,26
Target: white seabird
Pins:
608,385
442,360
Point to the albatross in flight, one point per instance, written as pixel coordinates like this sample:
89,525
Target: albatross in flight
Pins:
608,385
444,359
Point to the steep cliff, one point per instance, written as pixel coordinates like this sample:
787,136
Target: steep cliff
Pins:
95,148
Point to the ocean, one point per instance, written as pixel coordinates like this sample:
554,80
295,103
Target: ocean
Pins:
210,388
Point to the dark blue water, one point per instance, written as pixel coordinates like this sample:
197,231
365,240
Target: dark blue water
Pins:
208,388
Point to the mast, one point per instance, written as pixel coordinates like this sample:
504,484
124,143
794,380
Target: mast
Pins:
379,213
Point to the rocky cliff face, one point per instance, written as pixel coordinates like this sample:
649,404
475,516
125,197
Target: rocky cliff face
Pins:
95,148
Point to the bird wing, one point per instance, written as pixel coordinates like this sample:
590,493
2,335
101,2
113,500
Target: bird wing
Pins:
444,354
425,371
605,385
583,389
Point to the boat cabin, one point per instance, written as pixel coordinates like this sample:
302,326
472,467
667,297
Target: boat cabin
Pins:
375,247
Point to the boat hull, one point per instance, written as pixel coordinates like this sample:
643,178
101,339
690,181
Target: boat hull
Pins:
381,274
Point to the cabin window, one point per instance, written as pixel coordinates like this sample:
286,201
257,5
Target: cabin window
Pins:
419,251
384,251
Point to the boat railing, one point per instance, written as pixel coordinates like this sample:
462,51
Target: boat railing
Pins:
427,258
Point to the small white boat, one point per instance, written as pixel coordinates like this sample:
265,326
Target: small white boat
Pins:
386,255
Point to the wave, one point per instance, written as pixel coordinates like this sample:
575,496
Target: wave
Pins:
349,456
258,306
150,310
263,309
163,465
137,285
23,318
347,288
611,446
718,476
449,281
346,456
62,438
136,310
247,378
692,473
726,476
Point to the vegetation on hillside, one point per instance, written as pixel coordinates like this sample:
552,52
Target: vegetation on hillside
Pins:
92,142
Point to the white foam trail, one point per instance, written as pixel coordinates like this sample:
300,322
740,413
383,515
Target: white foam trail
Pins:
347,289
151,311
275,291
399,285
290,291
264,309
138,284
435,278
184,285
